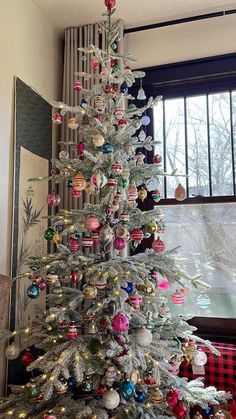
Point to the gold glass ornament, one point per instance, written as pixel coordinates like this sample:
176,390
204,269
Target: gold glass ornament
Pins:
56,238
142,193
151,227
189,351
90,292
98,140
148,287
180,193
135,376
156,396
78,182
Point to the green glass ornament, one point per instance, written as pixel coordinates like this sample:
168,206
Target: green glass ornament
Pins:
87,385
125,183
32,390
48,234
116,68
114,46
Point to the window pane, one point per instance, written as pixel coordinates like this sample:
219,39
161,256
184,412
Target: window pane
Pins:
206,236
158,137
234,128
220,141
198,168
175,142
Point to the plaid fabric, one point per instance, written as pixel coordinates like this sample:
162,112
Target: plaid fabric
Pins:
219,371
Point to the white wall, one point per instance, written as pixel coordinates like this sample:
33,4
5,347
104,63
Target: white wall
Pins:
183,42
30,49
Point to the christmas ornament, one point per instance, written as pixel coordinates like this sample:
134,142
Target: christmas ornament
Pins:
72,331
180,193
178,298
137,235
129,288
87,385
107,148
73,123
75,277
189,350
116,168
91,327
219,415
145,120
122,232
95,238
135,376
92,223
143,337
94,63
49,415
203,301
119,113
151,227
111,399
127,389
56,238
69,183
80,147
112,183
122,123
135,300
157,159
115,205
111,373
57,118
119,243
207,410
98,140
48,234
103,73
112,307
57,289
156,396
141,94
156,195
142,136
129,149
124,217
53,199
140,396
158,245
27,358
142,193
73,244
78,182
51,279
172,397
101,390
33,291
61,386
120,323
124,88
78,86
200,358
75,194
163,284
98,179
32,389
197,415
139,158
63,154
179,410
148,287
133,245
12,351
105,235
100,103
90,292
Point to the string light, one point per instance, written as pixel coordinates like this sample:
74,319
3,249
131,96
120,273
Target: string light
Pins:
22,415
10,412
63,409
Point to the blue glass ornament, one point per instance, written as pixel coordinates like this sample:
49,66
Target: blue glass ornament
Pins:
77,235
127,389
71,382
140,396
107,148
33,291
203,301
207,410
145,120
124,87
69,183
130,287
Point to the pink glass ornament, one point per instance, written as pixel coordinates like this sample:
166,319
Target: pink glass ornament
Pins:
98,118
119,243
158,245
57,119
92,223
80,148
119,113
72,331
75,193
73,244
94,63
78,86
120,323
178,298
137,235
180,410
42,285
157,159
164,283
53,199
135,300
120,339
172,397
103,73
117,168
128,70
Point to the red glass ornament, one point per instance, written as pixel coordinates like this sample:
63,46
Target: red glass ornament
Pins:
101,390
137,235
74,276
27,358
179,410
80,148
53,199
57,119
158,245
122,122
53,170
110,4
150,382
112,183
98,118
72,331
73,244
157,159
42,285
172,397
95,238
75,193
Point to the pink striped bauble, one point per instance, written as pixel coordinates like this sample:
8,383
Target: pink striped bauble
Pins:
92,223
178,298
78,86
73,244
158,245
87,242
132,193
124,216
119,113
112,183
119,243
137,235
117,168
95,238
135,300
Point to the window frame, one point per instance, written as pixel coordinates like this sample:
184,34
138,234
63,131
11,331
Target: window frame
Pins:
190,78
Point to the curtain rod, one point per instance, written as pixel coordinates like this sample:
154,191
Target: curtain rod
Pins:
180,21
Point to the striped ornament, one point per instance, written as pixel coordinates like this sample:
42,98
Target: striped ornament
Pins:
87,242
178,298
111,183
98,179
203,301
78,182
137,235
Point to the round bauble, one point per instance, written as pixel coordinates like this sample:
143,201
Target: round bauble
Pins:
56,238
157,159
98,179
172,397
180,193
151,227
101,390
158,245
127,389
100,103
156,195
142,194
48,234
90,292
98,140
73,123
53,199
200,358
72,331
92,223
87,242
111,373
80,147
27,358
122,123
137,235
105,235
203,301
73,244
119,113
119,243
124,217
179,410
57,118
49,415
120,323
63,154
178,298
33,291
78,182
156,396
116,168
12,351
32,389
42,285
111,399
124,87
78,86
140,396
143,337
145,120
129,288
107,148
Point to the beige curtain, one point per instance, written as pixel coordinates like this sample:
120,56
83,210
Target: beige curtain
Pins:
74,61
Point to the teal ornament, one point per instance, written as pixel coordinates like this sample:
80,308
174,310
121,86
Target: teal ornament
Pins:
107,148
133,245
203,301
140,396
77,235
127,389
124,87
145,120
48,234
116,67
146,234
207,411
114,45
33,291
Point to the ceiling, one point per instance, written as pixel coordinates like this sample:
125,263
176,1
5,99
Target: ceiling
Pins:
65,13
